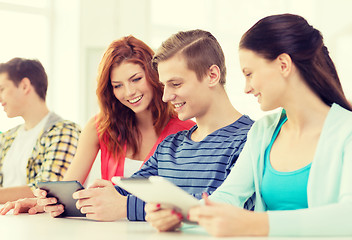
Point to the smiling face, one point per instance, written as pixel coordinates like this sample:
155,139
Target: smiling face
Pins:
183,89
130,86
263,79
11,96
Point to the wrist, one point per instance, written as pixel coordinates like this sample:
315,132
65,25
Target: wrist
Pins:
259,224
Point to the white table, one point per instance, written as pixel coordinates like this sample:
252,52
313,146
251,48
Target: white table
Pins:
42,226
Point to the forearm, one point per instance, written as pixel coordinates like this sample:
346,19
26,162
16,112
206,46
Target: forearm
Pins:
87,150
313,221
15,193
258,224
80,167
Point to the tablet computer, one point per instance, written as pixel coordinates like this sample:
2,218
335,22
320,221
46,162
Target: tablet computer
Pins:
62,191
156,189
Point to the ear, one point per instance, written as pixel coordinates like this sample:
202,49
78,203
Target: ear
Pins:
214,75
285,63
25,85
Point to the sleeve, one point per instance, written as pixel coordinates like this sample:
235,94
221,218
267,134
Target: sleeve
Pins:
135,206
238,187
329,220
56,150
250,202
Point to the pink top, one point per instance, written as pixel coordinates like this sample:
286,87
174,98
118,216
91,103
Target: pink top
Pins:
111,167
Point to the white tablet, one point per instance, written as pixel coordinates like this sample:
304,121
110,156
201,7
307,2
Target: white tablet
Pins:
156,189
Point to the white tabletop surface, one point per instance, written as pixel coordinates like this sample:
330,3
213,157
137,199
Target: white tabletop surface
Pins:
42,226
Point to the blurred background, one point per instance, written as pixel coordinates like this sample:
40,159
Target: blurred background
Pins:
69,37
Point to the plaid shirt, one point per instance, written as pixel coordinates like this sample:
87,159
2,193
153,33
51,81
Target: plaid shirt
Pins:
52,153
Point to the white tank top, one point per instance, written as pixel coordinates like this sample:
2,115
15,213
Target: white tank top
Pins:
131,166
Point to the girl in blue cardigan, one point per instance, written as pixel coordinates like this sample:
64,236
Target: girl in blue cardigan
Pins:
298,161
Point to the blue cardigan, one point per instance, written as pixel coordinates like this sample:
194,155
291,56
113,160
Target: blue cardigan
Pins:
329,211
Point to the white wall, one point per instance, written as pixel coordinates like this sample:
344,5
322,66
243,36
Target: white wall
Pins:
64,88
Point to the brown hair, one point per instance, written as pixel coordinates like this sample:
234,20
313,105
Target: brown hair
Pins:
291,34
19,68
117,123
200,49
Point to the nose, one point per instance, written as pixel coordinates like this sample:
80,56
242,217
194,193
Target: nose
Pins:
248,88
168,95
130,90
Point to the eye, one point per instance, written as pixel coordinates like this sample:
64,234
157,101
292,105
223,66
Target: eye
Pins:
117,86
176,84
136,79
248,74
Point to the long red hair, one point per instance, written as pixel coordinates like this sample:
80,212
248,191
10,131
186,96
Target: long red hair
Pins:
117,124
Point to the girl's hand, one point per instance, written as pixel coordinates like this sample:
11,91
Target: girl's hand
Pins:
224,220
162,219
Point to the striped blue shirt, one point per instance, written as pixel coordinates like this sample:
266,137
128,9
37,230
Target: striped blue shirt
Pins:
196,167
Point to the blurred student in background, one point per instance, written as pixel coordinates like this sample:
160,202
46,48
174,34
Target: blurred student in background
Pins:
43,147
